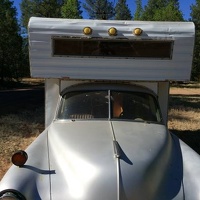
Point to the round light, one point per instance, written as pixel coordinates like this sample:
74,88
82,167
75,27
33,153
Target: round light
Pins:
87,31
137,31
112,31
19,158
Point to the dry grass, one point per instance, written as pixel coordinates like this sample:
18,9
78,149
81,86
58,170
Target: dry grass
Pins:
184,108
21,117
184,114
182,119
17,131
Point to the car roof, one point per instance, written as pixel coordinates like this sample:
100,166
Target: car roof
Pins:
107,86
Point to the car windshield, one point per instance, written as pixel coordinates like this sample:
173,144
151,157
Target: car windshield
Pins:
109,105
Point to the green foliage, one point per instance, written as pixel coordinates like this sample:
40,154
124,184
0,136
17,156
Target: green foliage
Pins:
10,42
162,10
25,68
27,9
122,12
195,14
40,8
139,10
71,9
151,7
168,13
99,9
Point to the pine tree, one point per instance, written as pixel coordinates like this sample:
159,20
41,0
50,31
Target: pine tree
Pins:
171,12
40,8
27,9
10,42
139,10
151,7
195,14
122,12
71,9
99,9
162,10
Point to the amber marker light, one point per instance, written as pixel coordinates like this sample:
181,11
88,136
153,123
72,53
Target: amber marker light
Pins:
19,158
112,31
137,31
87,31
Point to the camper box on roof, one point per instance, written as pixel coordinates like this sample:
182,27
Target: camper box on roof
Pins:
111,50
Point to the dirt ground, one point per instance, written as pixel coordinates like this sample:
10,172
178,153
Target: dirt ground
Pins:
185,91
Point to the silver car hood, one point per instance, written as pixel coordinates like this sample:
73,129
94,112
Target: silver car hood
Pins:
113,160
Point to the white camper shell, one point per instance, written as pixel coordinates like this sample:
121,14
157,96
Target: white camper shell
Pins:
69,51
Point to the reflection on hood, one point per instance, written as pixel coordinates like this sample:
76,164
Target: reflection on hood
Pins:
147,167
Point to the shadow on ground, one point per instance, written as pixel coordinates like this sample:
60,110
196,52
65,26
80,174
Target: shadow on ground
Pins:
15,101
191,138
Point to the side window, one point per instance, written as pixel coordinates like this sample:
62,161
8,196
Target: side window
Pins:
84,105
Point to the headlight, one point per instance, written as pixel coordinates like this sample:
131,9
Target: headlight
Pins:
11,195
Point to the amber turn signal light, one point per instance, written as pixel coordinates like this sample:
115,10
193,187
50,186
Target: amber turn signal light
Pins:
137,31
112,31
87,31
19,158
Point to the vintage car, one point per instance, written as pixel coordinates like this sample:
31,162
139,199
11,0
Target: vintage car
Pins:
107,141
106,135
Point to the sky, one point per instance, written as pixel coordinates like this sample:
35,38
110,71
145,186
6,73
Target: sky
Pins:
184,6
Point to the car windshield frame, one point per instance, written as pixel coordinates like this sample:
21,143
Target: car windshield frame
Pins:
109,104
